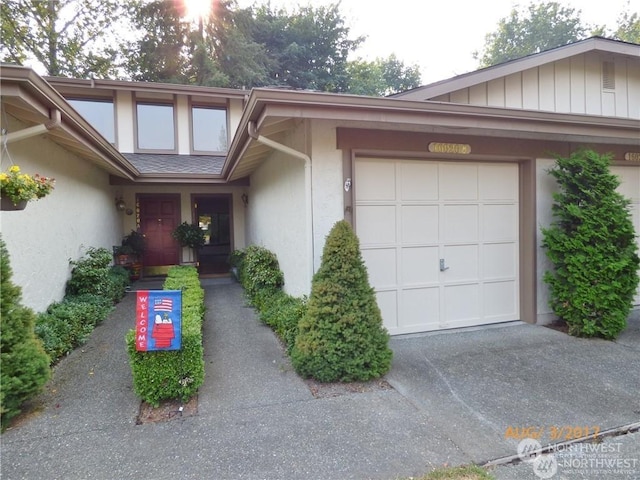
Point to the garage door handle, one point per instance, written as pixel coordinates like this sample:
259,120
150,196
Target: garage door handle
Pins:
442,265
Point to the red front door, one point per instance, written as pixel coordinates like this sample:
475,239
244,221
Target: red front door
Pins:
159,216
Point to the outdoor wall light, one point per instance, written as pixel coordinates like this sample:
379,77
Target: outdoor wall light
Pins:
120,205
245,199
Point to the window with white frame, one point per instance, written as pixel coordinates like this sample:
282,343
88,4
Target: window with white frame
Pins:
208,129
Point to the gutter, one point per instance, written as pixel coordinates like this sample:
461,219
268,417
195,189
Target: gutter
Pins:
308,177
33,131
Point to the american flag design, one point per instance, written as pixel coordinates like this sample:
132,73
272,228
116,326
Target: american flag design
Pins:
162,305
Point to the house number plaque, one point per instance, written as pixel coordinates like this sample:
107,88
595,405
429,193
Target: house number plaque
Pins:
632,156
459,148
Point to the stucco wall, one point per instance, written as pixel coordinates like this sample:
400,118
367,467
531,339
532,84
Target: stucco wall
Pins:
328,195
79,213
276,214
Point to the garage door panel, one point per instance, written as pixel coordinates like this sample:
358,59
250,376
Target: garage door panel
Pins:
499,261
499,223
462,263
498,182
466,214
499,300
388,305
462,304
381,267
420,307
420,224
376,180
458,182
420,266
419,181
375,224
460,223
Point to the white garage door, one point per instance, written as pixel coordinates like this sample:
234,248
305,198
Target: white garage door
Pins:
630,188
440,241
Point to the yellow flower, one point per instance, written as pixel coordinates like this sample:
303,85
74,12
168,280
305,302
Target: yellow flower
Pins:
3,176
14,169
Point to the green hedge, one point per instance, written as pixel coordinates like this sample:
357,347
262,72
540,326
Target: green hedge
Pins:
161,375
259,273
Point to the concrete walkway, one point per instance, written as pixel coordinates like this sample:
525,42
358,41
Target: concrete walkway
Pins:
454,396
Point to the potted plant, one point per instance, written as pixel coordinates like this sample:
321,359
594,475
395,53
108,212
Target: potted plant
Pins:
122,254
189,235
134,244
17,188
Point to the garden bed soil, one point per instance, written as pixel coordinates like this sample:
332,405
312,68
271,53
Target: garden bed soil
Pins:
167,410
337,389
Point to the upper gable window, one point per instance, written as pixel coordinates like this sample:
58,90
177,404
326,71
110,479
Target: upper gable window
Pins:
99,113
208,129
155,126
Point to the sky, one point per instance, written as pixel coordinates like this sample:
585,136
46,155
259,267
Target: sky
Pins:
440,36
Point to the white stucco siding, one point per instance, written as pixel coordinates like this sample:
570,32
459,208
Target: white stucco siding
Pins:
124,121
276,217
546,186
78,214
572,85
328,194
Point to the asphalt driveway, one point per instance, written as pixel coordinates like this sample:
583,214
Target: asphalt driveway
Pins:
457,397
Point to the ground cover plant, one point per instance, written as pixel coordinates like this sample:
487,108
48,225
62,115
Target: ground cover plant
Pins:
591,244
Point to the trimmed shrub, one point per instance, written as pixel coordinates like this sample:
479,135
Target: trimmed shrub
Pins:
93,274
282,313
260,271
591,244
25,365
160,375
341,336
67,324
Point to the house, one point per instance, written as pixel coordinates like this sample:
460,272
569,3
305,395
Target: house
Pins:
445,185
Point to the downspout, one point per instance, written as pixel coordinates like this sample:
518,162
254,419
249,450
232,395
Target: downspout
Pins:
253,133
33,131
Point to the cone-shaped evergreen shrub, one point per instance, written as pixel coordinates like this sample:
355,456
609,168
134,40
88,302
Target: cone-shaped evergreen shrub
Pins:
341,336
592,246
24,364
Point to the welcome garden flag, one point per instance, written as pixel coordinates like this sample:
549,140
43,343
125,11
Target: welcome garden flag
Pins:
158,320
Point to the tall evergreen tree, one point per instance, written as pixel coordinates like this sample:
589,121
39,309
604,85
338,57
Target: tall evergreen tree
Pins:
341,336
591,244
25,365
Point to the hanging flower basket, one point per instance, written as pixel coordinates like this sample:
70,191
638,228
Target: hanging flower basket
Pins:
16,188
8,205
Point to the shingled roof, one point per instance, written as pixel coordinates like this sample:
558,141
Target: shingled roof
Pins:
159,163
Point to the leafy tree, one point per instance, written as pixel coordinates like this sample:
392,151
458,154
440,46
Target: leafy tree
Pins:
341,336
540,27
25,366
308,47
591,244
66,37
628,27
381,77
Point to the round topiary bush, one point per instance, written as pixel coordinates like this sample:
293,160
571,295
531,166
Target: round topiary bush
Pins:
341,336
591,244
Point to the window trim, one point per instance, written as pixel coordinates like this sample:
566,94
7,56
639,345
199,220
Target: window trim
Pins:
158,102
224,107
105,99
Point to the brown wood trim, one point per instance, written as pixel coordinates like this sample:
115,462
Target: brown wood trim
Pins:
388,141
